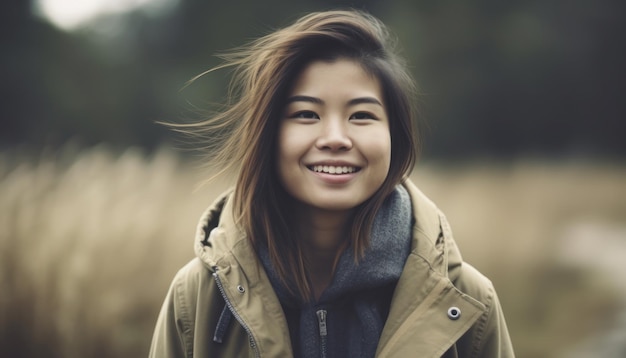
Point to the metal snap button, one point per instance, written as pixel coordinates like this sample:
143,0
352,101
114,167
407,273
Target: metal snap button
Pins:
241,289
454,313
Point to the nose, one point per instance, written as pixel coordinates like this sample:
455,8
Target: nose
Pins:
334,136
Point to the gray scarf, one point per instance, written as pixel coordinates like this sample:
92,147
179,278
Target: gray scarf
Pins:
356,302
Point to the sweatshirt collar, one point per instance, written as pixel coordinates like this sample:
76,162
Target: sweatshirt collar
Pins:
424,292
383,260
219,240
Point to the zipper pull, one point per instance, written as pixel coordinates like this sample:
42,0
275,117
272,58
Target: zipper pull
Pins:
321,319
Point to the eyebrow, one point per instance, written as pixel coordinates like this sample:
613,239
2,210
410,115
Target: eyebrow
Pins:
352,102
360,100
304,99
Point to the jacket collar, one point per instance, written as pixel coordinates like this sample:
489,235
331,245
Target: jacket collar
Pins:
432,236
223,246
220,243
218,236
419,320
424,294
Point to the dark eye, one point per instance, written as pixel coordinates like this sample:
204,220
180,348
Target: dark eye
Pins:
305,115
362,116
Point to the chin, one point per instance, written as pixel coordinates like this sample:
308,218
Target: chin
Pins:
335,206
335,203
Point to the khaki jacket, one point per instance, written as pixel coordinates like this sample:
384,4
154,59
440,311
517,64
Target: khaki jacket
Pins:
434,286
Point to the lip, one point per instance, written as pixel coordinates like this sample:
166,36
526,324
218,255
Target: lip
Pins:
334,179
336,163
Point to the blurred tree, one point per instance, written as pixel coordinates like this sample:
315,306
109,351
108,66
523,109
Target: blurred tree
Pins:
520,77
499,79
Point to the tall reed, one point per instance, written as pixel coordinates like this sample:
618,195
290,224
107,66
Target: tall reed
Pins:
89,242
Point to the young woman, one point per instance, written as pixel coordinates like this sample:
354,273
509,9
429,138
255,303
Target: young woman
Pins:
324,248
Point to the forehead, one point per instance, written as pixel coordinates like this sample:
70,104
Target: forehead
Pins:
338,77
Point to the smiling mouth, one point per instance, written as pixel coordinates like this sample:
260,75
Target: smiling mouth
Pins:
331,169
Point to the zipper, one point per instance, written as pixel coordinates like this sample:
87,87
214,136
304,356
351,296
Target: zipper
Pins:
235,314
321,319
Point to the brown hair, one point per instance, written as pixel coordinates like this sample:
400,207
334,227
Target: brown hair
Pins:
244,135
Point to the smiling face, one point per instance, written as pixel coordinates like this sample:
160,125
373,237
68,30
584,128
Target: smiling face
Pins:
334,144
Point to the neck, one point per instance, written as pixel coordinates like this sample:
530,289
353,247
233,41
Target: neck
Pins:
323,231
323,234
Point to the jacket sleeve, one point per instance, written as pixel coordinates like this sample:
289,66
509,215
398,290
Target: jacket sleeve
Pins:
173,327
494,341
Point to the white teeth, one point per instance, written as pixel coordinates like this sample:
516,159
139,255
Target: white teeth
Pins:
333,169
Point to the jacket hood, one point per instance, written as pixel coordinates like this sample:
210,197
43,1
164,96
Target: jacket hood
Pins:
220,242
417,319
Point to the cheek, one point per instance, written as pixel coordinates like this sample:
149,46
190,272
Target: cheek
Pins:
379,150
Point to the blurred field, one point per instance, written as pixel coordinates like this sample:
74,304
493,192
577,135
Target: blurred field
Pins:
90,241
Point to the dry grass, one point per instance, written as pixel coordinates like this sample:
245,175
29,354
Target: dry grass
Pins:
90,241
524,226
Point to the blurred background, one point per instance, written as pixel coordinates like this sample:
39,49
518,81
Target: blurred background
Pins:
523,126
